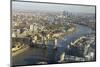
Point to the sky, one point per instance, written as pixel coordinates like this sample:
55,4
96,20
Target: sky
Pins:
52,7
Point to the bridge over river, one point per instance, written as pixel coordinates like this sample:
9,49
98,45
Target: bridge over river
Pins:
49,55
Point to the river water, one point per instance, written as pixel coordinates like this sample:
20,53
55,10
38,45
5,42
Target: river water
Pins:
30,56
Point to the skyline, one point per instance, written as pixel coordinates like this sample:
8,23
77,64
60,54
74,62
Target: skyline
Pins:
52,7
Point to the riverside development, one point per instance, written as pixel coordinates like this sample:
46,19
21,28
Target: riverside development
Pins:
44,37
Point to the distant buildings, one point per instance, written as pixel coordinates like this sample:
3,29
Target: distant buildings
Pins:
37,28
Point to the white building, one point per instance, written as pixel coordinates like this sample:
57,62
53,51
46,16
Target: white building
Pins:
31,27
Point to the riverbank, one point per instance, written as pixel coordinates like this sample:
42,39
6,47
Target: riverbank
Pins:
69,31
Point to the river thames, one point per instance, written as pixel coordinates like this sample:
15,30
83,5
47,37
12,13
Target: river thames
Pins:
48,55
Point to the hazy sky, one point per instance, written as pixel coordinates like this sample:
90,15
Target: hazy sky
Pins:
52,7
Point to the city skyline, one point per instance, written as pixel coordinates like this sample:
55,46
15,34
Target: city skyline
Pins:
52,7
44,33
